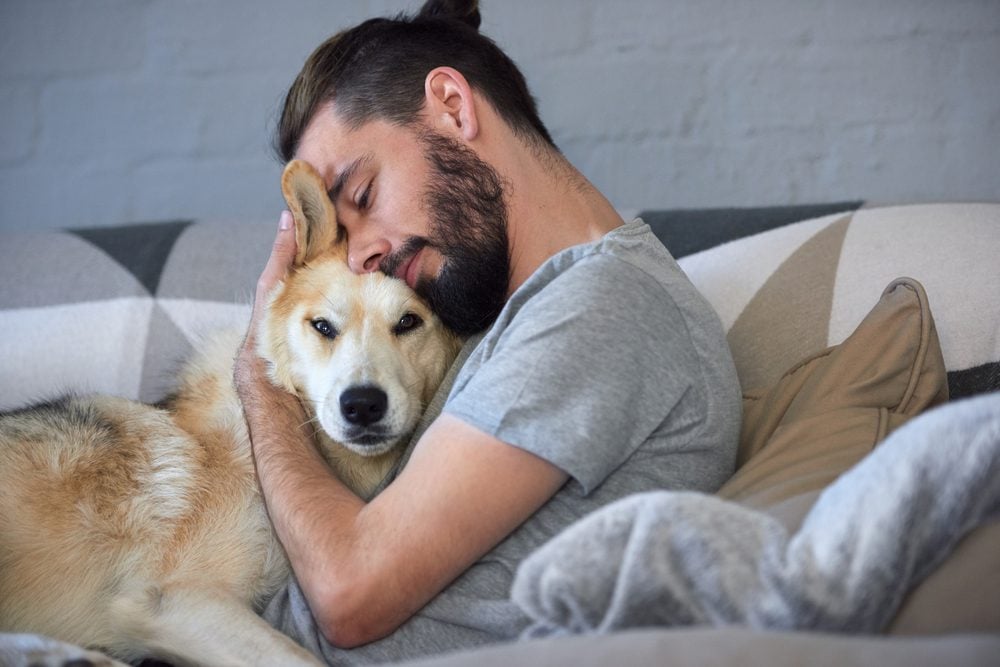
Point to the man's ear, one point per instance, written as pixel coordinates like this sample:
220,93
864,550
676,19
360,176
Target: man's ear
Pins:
316,229
451,106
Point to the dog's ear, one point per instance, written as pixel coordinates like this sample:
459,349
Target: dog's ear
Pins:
316,229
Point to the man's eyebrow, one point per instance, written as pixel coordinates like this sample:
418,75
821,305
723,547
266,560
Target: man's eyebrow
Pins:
345,175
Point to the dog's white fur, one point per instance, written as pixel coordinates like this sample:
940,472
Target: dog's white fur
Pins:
141,530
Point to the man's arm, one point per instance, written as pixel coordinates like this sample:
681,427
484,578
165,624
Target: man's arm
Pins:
366,568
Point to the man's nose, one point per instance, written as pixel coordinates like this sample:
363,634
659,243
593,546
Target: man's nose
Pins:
364,256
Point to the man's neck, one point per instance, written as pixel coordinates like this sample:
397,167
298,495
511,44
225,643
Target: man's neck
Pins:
552,207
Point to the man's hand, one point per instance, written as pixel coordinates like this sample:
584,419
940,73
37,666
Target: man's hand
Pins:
249,370
274,417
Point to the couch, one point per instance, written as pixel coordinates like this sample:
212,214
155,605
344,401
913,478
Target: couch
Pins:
832,355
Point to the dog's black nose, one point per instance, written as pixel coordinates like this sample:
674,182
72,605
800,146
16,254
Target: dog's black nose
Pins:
363,405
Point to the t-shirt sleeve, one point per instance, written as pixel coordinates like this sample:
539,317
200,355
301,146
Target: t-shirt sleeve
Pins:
586,370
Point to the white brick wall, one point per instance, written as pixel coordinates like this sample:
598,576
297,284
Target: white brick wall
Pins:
125,110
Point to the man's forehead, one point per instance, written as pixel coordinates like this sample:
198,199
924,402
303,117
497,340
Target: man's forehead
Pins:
336,149
323,142
344,173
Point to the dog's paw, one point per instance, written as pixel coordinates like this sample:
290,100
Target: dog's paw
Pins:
24,650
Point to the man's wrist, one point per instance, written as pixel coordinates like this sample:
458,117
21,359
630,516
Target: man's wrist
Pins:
259,396
249,372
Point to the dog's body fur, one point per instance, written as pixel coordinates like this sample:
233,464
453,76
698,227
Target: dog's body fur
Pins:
141,530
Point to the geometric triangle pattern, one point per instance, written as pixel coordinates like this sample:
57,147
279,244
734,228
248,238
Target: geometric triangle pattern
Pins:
51,268
166,350
802,284
819,293
952,249
194,318
116,309
84,311
686,231
235,252
141,249
86,347
754,259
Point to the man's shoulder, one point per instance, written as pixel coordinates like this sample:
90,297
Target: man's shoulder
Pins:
602,272
592,297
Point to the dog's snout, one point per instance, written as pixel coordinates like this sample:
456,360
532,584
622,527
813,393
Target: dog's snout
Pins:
363,405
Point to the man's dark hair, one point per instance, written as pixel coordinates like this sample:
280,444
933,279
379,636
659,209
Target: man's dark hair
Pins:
377,70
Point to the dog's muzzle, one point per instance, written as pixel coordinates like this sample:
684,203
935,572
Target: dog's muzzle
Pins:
363,405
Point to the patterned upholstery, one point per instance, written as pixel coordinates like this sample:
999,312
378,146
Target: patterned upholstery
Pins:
114,310
794,290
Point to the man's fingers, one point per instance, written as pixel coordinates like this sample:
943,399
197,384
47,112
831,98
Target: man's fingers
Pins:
282,255
281,258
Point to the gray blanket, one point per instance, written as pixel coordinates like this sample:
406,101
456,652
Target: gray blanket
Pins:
680,558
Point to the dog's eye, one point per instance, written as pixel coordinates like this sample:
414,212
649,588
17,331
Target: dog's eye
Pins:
324,328
407,322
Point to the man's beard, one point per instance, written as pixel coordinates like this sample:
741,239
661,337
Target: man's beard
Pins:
466,202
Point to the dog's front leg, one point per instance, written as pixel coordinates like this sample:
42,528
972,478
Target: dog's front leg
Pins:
205,628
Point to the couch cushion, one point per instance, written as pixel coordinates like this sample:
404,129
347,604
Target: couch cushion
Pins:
115,310
729,647
792,291
828,411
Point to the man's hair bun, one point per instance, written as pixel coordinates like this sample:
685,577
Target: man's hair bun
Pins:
465,11
378,70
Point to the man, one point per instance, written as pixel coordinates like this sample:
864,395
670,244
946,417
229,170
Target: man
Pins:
594,370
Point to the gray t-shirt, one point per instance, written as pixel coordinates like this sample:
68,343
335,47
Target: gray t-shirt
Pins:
606,362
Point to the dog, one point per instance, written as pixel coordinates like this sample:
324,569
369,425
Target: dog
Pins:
140,530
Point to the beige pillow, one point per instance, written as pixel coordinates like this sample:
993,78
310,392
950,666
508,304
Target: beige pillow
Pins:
828,411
